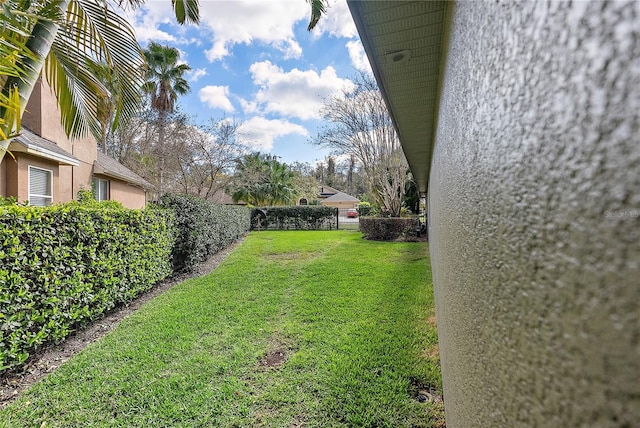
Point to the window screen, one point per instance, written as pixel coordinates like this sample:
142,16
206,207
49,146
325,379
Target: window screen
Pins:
40,186
101,189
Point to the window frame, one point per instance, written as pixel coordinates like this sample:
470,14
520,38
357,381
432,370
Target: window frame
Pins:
49,196
95,181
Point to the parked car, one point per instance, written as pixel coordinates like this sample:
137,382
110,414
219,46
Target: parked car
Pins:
352,213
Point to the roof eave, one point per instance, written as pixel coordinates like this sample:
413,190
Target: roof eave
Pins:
20,146
101,170
418,149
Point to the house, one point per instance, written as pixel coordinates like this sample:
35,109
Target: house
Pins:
46,167
330,197
520,122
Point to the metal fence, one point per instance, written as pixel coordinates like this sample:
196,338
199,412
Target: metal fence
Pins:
344,221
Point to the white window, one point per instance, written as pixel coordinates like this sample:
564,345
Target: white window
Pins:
40,186
101,189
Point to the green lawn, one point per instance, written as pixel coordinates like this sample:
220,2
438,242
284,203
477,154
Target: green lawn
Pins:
313,329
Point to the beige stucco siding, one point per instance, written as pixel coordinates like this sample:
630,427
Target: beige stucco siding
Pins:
339,204
130,196
42,117
16,172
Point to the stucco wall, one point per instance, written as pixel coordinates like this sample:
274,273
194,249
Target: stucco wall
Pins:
534,211
129,196
17,176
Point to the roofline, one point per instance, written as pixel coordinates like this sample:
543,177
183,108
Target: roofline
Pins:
21,145
355,8
100,170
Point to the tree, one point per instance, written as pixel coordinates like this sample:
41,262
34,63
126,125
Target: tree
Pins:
165,82
330,177
211,151
261,180
71,36
69,39
360,126
306,187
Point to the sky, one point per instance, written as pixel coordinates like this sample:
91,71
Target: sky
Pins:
255,62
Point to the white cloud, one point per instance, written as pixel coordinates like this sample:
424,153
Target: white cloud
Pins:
259,133
147,19
358,56
248,21
249,107
216,97
295,93
195,75
337,21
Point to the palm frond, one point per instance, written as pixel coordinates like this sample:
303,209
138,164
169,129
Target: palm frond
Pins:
10,120
91,34
318,8
186,11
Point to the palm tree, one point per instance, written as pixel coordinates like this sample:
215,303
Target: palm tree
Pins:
71,36
164,83
261,180
68,39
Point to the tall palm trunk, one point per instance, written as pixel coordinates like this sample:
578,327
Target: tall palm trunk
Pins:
40,41
162,120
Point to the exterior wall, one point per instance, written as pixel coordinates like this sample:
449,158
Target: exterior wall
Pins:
340,204
129,196
17,176
43,118
3,178
534,213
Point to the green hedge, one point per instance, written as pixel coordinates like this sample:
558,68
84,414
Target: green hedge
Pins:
301,217
204,228
64,265
389,228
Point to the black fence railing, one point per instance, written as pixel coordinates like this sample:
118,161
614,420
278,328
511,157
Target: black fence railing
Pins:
342,218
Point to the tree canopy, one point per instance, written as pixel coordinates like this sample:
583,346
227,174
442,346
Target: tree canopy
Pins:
261,180
361,127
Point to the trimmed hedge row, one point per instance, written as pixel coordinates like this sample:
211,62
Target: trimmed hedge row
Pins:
64,265
300,217
389,228
203,228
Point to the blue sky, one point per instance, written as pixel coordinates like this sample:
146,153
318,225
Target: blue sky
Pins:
255,62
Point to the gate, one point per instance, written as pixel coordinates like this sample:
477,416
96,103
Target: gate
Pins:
345,220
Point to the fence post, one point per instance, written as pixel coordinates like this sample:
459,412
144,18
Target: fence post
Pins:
337,219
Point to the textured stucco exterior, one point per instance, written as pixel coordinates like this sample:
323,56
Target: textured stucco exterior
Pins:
534,212
42,121
129,196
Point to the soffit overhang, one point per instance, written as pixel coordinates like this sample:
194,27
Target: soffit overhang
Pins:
31,143
404,43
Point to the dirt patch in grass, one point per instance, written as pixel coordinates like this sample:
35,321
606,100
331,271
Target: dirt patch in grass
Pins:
46,360
280,349
274,359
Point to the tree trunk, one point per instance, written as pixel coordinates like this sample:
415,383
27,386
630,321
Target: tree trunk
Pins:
40,41
162,119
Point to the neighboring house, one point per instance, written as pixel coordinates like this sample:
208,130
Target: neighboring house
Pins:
330,197
46,167
521,120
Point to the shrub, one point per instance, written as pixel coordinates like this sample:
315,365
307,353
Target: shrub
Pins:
203,228
389,228
300,217
64,265
364,209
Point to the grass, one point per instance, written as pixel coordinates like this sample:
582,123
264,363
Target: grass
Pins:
313,329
